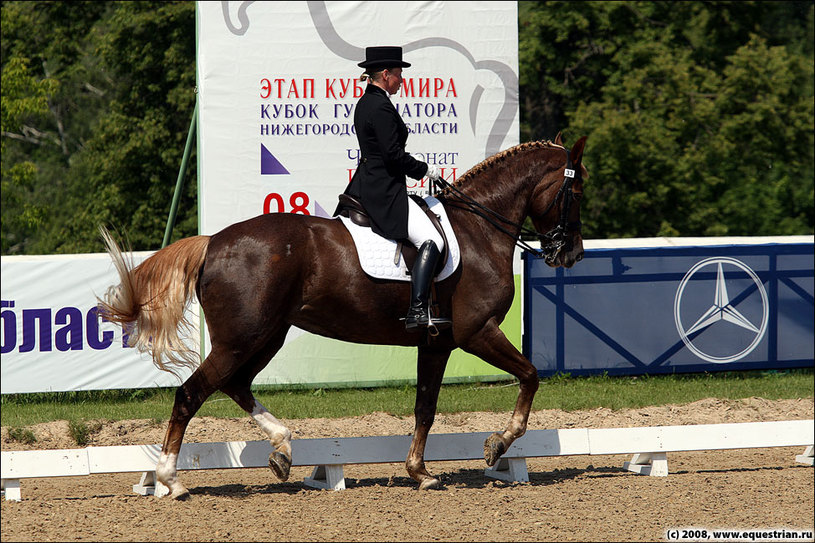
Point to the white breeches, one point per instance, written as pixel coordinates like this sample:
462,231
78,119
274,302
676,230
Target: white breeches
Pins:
420,229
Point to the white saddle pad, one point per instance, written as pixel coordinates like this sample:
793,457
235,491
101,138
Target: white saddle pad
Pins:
377,254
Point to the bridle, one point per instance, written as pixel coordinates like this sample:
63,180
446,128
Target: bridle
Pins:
556,239
552,242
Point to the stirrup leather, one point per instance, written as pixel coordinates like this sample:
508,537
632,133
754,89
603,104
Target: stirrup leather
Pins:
417,320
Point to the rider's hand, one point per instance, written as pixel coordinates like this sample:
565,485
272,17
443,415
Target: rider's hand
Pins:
433,173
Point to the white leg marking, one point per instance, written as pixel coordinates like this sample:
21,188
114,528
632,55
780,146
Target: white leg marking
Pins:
516,427
167,473
279,435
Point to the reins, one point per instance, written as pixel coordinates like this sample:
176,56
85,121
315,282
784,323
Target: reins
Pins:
484,212
552,242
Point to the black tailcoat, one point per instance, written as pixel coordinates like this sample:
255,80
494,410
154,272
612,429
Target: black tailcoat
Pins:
379,182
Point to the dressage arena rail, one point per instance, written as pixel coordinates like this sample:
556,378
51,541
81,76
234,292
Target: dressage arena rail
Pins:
649,445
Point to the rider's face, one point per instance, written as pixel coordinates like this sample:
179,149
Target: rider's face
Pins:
392,78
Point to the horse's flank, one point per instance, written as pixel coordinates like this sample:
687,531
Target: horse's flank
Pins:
154,296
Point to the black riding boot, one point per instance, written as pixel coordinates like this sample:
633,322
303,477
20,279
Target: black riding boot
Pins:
422,275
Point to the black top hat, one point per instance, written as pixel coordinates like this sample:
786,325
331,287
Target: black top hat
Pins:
379,58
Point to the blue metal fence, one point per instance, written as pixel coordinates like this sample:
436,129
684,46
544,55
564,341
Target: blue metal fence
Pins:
630,311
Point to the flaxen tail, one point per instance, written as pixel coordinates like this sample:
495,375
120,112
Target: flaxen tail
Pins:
151,299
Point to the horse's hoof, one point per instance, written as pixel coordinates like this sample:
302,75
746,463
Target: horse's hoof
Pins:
181,495
280,464
493,449
431,483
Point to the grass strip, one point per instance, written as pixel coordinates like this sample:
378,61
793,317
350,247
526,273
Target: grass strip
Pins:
559,392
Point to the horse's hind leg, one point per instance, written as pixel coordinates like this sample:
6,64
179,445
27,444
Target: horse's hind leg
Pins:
431,364
239,389
492,346
188,400
279,435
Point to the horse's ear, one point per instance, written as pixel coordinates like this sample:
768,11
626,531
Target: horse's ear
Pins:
577,151
559,139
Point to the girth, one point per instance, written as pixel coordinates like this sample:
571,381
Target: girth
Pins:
352,208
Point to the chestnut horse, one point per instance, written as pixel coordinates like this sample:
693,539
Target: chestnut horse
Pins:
257,278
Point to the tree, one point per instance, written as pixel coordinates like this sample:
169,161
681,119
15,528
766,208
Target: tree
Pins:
699,115
44,51
24,97
130,163
109,147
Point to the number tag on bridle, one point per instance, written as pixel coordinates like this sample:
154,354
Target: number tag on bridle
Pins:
569,173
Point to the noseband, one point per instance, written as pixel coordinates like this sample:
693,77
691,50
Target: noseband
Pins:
555,240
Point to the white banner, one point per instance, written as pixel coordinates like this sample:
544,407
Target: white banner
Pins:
52,338
278,83
53,341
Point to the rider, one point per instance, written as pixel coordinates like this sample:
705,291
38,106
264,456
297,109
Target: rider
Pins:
379,182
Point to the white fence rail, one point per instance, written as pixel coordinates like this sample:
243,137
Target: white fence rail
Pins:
649,445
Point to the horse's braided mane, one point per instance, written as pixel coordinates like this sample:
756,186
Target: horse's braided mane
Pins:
498,158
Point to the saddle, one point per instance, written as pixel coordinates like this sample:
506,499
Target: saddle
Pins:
352,208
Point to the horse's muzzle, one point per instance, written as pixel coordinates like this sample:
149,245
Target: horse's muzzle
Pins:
574,254
561,249
571,259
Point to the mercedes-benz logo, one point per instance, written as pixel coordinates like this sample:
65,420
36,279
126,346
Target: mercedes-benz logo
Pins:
721,311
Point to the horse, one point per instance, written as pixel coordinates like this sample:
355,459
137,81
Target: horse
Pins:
257,278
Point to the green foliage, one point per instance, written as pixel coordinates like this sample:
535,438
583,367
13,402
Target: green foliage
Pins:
22,435
24,97
79,432
699,116
132,160
107,148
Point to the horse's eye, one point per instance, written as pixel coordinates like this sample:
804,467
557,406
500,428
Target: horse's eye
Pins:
577,196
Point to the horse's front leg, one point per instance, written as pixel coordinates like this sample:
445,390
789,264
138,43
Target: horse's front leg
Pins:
431,364
491,345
